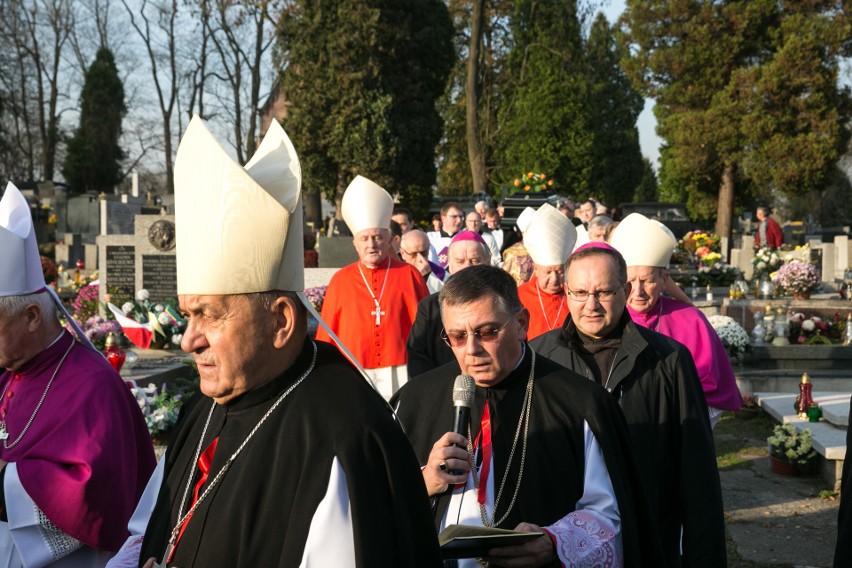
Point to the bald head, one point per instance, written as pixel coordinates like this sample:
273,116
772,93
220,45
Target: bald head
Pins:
414,248
467,253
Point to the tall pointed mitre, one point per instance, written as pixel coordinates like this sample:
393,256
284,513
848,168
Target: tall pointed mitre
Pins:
643,242
550,237
238,230
523,220
582,237
366,205
20,263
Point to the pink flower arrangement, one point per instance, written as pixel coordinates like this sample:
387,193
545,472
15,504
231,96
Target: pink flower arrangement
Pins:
797,278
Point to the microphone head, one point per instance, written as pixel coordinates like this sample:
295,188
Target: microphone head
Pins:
463,390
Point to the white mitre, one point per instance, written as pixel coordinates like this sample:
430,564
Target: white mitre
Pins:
20,262
366,205
582,237
238,230
550,237
643,242
523,220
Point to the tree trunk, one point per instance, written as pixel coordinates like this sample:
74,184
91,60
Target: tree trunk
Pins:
725,206
313,208
472,91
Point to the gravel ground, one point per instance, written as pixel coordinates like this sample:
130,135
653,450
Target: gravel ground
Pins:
773,521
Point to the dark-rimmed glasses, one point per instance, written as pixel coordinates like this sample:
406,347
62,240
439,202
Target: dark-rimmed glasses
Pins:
486,333
602,296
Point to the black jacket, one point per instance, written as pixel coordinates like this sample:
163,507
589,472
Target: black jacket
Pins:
555,459
654,380
426,349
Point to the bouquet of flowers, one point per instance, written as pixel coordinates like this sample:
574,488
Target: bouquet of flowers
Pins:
797,278
97,328
534,182
695,240
717,274
802,253
765,262
167,323
315,296
733,336
160,407
814,330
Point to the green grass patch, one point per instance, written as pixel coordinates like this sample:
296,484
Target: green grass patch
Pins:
740,441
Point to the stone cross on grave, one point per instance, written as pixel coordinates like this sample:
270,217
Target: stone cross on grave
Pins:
378,313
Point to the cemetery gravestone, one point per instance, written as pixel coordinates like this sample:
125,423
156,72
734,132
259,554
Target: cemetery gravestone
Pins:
146,259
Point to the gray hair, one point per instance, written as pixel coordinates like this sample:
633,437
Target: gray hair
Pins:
600,251
600,221
476,282
15,305
264,300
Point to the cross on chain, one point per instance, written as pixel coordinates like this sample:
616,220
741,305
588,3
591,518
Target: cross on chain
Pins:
378,313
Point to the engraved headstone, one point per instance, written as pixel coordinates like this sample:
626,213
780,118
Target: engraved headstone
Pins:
145,259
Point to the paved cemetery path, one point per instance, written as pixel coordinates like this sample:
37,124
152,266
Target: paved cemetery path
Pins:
773,521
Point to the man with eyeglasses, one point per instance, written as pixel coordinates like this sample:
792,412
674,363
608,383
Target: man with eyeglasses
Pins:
545,450
452,218
425,348
371,303
654,380
414,249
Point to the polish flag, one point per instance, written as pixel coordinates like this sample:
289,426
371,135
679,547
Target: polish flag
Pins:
140,334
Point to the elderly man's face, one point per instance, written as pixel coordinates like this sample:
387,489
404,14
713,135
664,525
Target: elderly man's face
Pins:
646,285
224,335
473,222
373,246
587,211
488,360
466,253
14,336
451,222
593,275
597,234
550,278
403,221
414,244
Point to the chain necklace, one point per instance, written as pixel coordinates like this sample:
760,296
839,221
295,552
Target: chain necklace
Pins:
378,311
544,313
4,434
523,423
183,517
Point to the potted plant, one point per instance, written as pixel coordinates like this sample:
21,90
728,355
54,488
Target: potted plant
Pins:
797,278
733,336
749,409
792,452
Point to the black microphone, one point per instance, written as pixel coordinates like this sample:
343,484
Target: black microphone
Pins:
463,391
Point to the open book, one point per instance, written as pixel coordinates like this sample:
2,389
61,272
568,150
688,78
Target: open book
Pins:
463,541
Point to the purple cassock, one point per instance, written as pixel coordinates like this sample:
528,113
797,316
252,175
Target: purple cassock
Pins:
87,455
687,325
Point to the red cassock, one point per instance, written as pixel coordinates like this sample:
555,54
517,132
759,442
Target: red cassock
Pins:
375,339
547,311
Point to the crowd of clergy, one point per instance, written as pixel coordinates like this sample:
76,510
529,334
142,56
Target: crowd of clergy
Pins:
591,384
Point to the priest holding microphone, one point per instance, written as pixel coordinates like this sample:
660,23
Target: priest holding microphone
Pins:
545,450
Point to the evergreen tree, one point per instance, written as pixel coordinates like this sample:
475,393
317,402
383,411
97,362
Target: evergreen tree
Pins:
93,159
747,95
544,117
362,78
647,189
617,166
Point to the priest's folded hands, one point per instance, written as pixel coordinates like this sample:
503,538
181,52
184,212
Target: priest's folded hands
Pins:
447,455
